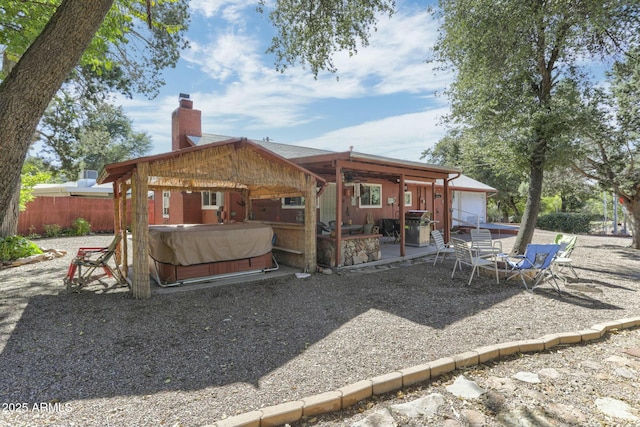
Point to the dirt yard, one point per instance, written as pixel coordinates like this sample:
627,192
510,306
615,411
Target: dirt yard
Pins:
100,358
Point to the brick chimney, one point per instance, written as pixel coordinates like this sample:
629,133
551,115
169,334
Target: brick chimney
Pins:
184,121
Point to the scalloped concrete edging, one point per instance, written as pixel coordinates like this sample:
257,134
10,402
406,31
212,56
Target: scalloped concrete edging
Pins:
351,394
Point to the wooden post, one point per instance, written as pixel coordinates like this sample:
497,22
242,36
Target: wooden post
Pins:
446,213
124,188
116,224
310,197
401,215
141,285
338,230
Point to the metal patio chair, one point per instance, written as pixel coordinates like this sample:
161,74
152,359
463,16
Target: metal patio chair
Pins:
441,246
465,256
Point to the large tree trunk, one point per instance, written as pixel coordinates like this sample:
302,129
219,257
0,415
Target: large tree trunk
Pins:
532,207
34,80
9,223
633,209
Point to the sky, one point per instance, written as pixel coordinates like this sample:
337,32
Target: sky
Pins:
382,101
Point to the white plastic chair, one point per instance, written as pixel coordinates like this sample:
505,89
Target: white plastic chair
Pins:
441,246
483,244
466,257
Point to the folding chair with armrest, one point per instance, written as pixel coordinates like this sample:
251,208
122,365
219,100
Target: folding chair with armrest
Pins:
88,260
483,245
466,257
537,261
441,246
563,259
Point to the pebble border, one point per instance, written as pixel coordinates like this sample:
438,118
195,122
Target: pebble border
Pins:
351,394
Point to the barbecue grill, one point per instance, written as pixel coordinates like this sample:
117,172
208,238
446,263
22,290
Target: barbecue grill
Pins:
418,227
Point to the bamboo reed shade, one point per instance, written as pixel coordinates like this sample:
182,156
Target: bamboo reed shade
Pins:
227,168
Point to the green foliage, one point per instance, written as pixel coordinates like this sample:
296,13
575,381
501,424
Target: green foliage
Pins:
80,227
566,222
129,50
311,32
521,74
31,175
550,204
52,230
14,247
80,133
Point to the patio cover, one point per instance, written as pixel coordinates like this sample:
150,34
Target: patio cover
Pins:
232,165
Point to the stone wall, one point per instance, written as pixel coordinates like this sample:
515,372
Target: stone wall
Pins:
354,251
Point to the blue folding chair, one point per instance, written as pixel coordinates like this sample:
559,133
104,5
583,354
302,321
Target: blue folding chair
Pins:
536,260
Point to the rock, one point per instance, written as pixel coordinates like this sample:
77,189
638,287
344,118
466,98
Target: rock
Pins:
615,408
474,418
380,418
525,417
503,385
494,400
617,360
625,373
549,373
527,377
423,407
567,414
591,364
462,387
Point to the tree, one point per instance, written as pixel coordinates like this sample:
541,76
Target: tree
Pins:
32,173
571,187
46,40
610,147
520,72
310,32
480,160
83,133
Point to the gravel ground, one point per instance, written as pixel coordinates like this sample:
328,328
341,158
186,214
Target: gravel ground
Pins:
100,358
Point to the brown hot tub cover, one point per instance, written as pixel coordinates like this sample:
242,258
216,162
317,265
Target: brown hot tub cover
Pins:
204,243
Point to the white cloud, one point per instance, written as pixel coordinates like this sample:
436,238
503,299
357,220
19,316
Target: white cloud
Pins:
393,63
230,10
238,87
401,137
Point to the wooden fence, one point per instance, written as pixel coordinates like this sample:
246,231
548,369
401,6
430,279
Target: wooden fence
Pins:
62,211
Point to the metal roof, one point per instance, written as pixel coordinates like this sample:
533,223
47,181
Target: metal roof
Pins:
323,161
285,150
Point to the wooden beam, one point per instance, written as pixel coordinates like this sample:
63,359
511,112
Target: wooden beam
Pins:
116,222
401,215
338,228
124,188
446,215
141,285
310,214
394,171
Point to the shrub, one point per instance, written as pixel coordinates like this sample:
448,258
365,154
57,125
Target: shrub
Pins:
14,247
566,222
52,230
80,227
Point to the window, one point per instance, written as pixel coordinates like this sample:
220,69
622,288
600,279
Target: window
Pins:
370,195
212,199
408,198
292,203
165,204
